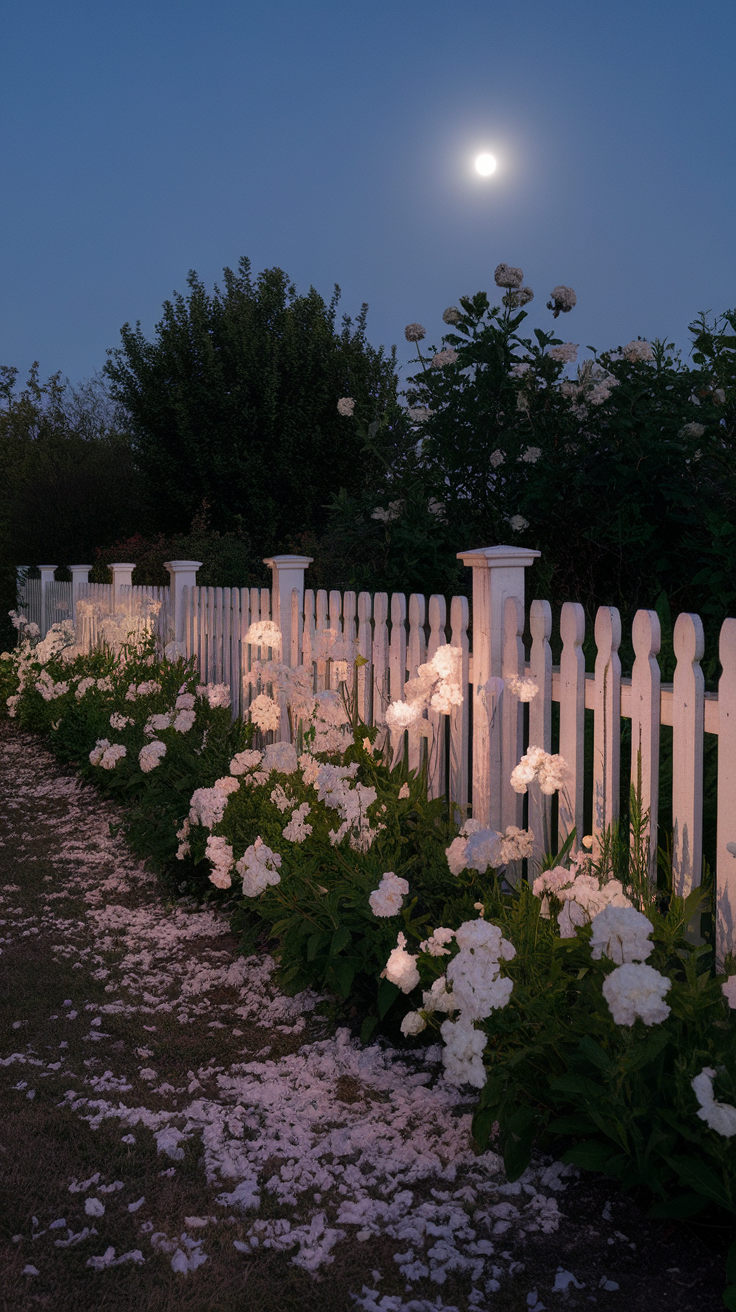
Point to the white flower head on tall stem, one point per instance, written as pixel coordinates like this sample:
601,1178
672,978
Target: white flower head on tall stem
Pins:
719,1116
264,633
637,992
505,275
415,332
346,406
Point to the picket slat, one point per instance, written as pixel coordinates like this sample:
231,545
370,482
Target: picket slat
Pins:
460,715
688,714
437,638
645,722
726,823
540,721
365,649
416,654
572,718
380,658
510,711
606,723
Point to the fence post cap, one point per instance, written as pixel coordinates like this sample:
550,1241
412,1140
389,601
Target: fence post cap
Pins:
73,567
47,567
177,565
285,561
121,564
499,555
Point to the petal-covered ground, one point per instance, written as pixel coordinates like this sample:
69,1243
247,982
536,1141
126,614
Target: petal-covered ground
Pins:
179,1134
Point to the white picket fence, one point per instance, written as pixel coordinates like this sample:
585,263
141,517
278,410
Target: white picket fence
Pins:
472,752
45,603
126,600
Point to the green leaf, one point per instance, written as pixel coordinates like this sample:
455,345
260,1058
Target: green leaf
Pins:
578,1084
591,1155
340,939
700,1178
314,945
483,1123
677,1209
729,1297
517,1151
595,1054
387,995
343,972
647,1051
572,1125
367,1028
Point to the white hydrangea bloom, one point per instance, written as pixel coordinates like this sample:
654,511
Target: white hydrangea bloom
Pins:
259,867
185,701
118,721
524,689
452,314
280,799
567,353
112,755
243,761
346,406
280,757
692,430
517,845
387,899
220,853
82,687
621,934
413,1023
462,1056
435,944
638,350
415,332
401,967
310,768
184,721
550,770
506,275
156,723
217,694
531,455
265,712
719,1116
207,805
518,523
401,715
98,750
388,516
497,458
264,633
298,829
150,756
637,991
439,998
443,358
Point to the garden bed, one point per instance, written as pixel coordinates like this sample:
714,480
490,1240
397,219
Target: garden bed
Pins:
226,1122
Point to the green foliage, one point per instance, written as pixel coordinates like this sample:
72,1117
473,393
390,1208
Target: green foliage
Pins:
69,476
235,403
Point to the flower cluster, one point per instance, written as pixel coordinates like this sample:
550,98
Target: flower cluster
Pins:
637,992
346,406
220,853
621,933
719,1116
436,686
259,867
567,353
151,755
637,350
445,357
584,896
477,848
562,299
207,805
415,332
387,899
550,771
524,689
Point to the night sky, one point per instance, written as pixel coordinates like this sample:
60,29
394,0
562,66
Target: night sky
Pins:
336,140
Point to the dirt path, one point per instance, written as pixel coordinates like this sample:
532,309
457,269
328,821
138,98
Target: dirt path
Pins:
177,1134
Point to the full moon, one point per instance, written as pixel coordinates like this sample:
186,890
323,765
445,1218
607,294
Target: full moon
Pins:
485,165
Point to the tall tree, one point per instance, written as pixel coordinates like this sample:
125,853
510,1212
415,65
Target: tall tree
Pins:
234,403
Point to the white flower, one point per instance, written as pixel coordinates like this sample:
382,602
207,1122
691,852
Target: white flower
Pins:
729,991
186,701
439,998
400,715
435,944
507,276
518,523
403,792
517,845
483,849
151,755
437,508
388,516
567,353
401,967
345,406
462,1057
259,867
519,369
497,458
387,899
265,712
217,694
562,299
638,350
601,391
524,689
692,430
264,633
280,799
720,1116
157,723
118,721
281,757
112,755
418,413
220,853
443,358
184,721
415,332
550,770
621,934
515,299
98,750
452,314
531,455
297,829
413,1023
633,991
247,760
207,805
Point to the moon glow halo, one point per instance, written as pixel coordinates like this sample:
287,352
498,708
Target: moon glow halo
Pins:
485,164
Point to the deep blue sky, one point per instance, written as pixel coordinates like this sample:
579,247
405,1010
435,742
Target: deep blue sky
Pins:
143,138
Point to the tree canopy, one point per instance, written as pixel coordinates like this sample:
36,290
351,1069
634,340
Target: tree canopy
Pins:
234,404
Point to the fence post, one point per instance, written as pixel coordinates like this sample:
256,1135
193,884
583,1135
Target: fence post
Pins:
80,574
182,574
47,576
122,577
287,573
498,573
